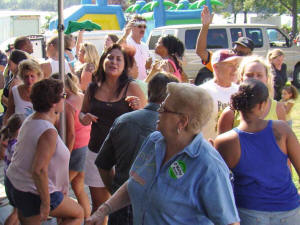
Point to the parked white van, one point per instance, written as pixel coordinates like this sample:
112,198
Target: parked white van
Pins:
265,37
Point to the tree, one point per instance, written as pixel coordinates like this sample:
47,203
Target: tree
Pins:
236,7
280,6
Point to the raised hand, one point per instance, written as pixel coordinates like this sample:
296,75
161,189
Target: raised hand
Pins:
206,17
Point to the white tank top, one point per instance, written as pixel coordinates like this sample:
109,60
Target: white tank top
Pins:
55,66
19,171
21,106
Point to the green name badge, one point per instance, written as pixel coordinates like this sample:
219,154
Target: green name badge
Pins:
177,169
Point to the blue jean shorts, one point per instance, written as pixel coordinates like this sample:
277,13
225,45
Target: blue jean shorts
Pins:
27,203
77,159
253,217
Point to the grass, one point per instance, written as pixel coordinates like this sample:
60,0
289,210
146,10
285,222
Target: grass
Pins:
296,129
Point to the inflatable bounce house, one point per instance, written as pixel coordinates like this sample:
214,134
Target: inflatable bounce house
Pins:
157,13
163,12
109,17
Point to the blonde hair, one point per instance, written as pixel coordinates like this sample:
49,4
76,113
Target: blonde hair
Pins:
72,83
257,59
274,54
53,41
91,54
29,65
193,101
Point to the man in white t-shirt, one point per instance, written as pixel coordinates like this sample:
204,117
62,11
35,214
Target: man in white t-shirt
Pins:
138,29
221,87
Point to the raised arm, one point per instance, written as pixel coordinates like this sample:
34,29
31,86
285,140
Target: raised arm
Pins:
206,19
127,31
79,41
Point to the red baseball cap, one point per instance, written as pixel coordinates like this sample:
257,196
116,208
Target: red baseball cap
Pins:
223,55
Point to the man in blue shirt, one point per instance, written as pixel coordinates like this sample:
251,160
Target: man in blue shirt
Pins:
124,141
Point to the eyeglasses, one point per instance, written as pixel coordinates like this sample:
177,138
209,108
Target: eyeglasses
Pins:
142,26
64,95
162,109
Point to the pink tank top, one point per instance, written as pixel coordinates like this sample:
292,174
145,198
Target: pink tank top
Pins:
82,133
176,72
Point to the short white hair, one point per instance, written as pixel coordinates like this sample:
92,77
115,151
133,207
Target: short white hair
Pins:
193,101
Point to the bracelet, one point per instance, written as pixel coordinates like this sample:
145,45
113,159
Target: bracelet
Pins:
108,206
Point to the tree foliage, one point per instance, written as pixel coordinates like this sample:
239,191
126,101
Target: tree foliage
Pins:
291,7
265,7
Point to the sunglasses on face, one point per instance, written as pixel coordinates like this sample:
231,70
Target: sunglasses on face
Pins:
163,109
142,26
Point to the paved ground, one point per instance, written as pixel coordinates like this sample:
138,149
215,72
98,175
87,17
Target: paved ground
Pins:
5,208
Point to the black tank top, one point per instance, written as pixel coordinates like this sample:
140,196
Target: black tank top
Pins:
106,112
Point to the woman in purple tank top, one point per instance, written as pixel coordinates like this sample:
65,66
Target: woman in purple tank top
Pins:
257,152
111,95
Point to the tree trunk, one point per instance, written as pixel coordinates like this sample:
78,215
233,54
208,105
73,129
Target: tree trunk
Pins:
295,21
245,17
234,18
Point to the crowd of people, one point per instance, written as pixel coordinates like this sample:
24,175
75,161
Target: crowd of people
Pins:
151,147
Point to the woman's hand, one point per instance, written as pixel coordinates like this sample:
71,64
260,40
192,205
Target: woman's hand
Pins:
134,102
87,118
98,217
44,210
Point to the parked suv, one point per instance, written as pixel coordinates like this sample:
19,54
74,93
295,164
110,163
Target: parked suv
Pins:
265,37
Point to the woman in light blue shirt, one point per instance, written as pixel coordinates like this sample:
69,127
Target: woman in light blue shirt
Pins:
177,177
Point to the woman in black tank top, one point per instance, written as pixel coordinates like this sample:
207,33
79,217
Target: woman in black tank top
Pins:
112,94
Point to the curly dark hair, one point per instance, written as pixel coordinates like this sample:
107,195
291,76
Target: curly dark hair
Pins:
100,75
45,93
175,48
291,89
250,93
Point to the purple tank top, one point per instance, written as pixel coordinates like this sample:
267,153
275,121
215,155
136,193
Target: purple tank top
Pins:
262,178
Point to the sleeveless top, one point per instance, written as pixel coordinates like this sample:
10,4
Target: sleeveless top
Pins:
82,133
272,114
19,171
71,62
21,106
176,71
262,178
55,66
106,112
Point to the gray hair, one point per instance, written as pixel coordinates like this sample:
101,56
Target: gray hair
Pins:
193,101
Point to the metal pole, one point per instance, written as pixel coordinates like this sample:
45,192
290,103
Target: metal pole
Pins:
61,47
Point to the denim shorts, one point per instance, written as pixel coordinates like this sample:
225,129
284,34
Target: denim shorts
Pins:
77,159
27,203
253,217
